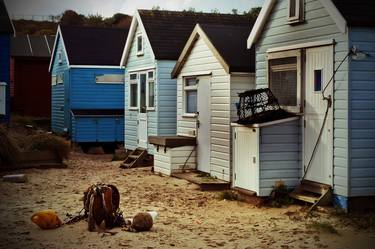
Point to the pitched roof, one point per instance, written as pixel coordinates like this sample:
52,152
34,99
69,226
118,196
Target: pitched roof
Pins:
357,12
5,22
31,46
230,42
168,31
93,45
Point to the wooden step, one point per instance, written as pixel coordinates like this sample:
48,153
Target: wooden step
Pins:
314,187
305,198
135,158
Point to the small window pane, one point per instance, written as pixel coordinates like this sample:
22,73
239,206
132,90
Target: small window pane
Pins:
133,95
191,101
283,80
190,82
318,80
143,92
292,8
151,75
139,44
133,76
151,94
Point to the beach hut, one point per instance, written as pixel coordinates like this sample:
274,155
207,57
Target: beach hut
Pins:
30,56
317,57
88,84
213,68
6,31
155,41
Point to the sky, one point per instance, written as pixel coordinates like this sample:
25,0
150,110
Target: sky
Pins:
107,8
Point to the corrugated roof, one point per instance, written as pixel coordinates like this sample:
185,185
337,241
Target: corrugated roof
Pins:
93,45
357,12
31,46
230,42
5,23
168,31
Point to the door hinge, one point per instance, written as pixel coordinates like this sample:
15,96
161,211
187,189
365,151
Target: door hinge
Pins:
304,103
304,123
235,176
235,135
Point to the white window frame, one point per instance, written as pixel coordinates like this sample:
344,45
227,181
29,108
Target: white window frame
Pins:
53,80
59,57
299,11
133,82
285,54
60,78
186,89
140,52
150,80
100,79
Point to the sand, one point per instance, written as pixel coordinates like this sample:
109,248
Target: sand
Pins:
188,218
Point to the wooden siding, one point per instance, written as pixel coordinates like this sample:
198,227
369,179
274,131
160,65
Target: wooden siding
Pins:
59,105
173,159
85,93
280,156
135,62
202,59
98,129
166,99
318,26
239,84
362,114
5,72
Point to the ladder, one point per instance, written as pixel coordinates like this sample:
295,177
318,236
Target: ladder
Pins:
317,194
135,158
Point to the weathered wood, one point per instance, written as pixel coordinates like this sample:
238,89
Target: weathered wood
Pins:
172,141
19,178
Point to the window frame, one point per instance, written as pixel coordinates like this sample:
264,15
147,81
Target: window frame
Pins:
185,89
299,12
59,57
133,82
286,54
148,81
53,80
139,52
60,79
100,81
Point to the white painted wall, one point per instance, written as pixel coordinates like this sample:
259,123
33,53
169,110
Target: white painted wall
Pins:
173,160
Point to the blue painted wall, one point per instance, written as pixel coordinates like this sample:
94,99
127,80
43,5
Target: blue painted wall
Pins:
280,156
59,105
5,71
80,91
362,114
85,93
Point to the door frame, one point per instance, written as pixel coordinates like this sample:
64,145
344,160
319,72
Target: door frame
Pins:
330,113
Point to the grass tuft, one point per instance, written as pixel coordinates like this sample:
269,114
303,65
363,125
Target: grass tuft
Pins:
322,227
227,195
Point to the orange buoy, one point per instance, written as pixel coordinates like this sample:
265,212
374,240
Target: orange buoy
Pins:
46,219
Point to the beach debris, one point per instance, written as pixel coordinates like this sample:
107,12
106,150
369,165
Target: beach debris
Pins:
18,178
46,219
143,221
101,203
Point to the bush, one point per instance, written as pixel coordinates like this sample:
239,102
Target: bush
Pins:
8,148
45,141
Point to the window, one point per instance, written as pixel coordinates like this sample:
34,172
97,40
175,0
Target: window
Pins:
133,88
151,90
109,79
318,79
59,57
53,80
60,78
284,78
139,44
190,95
296,11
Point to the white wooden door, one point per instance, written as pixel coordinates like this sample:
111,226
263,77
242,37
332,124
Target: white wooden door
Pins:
319,70
203,124
142,115
246,159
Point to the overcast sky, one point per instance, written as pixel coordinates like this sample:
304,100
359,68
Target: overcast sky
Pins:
109,7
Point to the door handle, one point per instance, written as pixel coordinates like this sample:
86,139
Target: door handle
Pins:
254,159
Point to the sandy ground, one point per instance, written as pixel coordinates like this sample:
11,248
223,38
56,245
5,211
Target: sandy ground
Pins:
188,218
